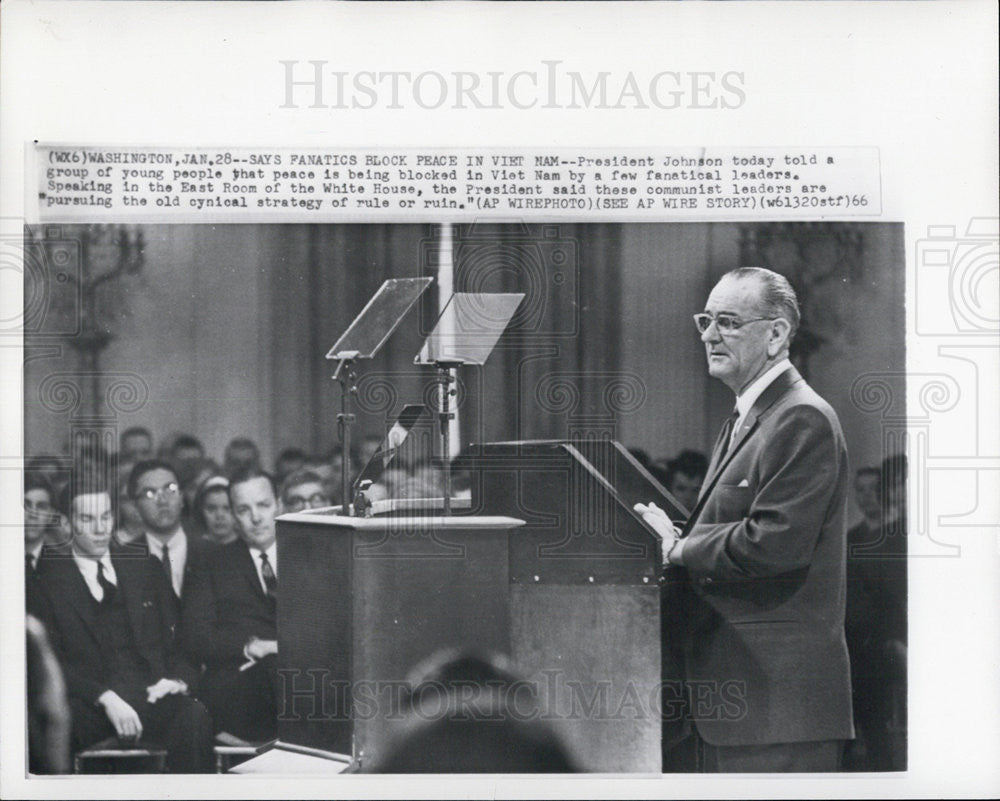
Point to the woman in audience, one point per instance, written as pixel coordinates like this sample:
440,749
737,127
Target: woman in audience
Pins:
212,512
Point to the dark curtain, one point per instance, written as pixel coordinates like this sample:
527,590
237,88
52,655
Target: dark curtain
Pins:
332,272
556,369
557,364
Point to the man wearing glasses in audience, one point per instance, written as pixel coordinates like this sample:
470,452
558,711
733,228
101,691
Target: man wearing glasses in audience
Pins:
154,487
303,490
762,557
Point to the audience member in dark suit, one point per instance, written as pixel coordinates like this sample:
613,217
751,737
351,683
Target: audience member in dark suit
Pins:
877,625
229,619
39,516
111,623
764,548
154,487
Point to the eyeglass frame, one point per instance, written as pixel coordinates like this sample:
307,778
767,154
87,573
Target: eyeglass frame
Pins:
307,502
150,494
712,318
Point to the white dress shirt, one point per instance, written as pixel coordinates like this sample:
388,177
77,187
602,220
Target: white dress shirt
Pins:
272,557
35,551
177,545
746,400
88,569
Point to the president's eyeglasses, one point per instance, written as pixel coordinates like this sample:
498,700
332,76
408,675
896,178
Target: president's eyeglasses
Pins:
725,322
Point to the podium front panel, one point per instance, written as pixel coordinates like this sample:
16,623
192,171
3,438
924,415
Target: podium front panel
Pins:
315,634
418,591
593,653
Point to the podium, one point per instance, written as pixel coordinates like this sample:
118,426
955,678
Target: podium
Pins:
548,564
585,590
363,600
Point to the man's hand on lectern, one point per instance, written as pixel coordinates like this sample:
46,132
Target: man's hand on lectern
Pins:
661,523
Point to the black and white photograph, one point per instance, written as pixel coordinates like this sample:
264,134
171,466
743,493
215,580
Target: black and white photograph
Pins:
499,400
643,517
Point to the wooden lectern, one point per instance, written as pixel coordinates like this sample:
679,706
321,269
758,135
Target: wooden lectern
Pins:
363,600
549,566
585,590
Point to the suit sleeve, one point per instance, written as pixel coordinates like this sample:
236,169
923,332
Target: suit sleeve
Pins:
798,471
204,638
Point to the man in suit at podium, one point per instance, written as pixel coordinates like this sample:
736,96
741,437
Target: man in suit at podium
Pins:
764,549
229,619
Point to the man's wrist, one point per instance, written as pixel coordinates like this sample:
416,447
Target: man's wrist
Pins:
673,554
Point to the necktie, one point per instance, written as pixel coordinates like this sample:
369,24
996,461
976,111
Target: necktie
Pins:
107,586
727,432
167,567
267,572
29,565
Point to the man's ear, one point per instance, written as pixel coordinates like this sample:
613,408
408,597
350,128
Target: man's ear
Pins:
778,341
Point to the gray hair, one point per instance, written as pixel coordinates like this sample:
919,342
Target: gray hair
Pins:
777,297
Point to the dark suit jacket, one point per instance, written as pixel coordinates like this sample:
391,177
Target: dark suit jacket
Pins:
67,609
765,558
224,605
196,548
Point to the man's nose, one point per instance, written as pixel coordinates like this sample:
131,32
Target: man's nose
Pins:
711,334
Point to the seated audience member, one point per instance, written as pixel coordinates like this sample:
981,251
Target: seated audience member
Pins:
49,466
48,709
685,474
867,493
39,517
186,455
331,480
212,513
229,618
876,625
136,444
111,624
369,447
130,527
241,455
155,488
303,489
289,460
470,714
201,472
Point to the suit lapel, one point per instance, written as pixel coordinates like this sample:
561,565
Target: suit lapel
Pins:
782,384
70,585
